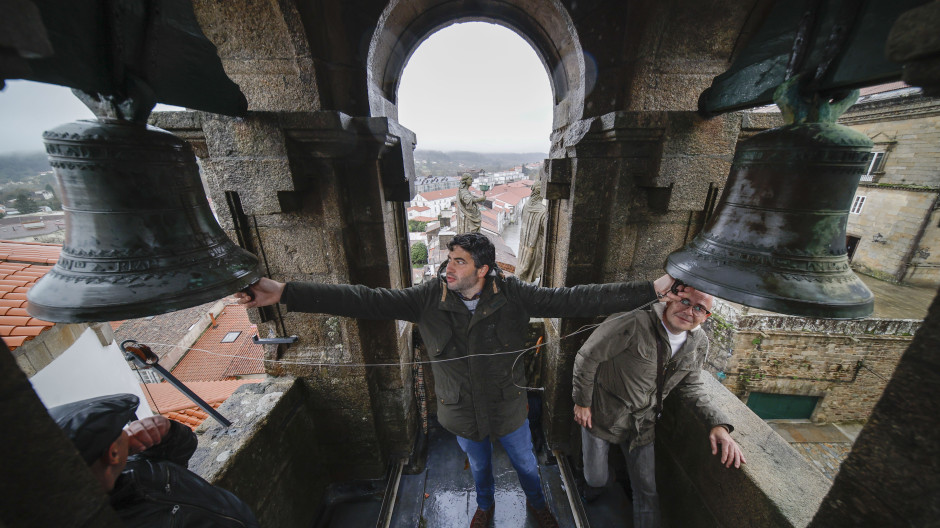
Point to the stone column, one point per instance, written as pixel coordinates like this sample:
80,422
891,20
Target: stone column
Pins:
318,196
45,481
632,187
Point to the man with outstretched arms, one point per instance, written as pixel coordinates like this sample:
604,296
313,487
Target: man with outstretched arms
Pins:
472,312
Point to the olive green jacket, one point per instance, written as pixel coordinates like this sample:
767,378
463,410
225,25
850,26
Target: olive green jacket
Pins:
615,375
480,395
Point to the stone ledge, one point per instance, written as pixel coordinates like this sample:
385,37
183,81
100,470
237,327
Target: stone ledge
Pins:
777,486
267,456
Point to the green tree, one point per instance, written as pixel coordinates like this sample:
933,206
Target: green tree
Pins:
417,227
25,203
419,254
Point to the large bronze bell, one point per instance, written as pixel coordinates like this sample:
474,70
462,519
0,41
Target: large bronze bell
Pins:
140,236
777,238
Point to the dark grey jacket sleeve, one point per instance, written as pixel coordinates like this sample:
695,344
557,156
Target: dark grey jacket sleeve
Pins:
586,300
356,300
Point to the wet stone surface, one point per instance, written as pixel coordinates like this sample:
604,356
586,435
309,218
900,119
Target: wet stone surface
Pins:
444,496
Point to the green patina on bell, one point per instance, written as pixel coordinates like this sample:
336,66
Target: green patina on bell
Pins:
140,236
777,238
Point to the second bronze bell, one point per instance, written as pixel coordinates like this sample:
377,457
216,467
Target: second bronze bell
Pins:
777,238
140,236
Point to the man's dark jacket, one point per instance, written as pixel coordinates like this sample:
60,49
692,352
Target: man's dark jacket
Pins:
480,395
156,490
615,375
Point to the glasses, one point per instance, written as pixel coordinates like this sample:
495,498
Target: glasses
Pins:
698,308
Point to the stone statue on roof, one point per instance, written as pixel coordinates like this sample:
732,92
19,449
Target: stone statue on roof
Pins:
468,212
532,236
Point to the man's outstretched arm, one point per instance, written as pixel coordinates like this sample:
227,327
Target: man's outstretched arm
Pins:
349,300
266,292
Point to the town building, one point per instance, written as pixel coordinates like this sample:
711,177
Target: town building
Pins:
436,183
435,201
894,225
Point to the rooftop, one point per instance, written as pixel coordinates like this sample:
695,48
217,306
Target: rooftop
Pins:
167,328
21,226
224,351
438,195
21,265
167,400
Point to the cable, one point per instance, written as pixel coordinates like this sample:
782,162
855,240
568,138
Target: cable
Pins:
406,363
866,367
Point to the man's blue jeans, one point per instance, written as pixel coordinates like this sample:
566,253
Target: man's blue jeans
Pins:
518,445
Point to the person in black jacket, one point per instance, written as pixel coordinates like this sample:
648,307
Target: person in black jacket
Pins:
143,466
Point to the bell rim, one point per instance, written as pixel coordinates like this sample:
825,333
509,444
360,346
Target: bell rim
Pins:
119,312
851,309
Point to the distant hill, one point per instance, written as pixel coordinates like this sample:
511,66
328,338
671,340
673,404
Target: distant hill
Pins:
22,166
437,163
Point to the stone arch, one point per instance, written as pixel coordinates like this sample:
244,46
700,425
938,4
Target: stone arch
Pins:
545,25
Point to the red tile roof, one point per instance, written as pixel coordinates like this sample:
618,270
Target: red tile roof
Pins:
438,195
21,265
29,252
170,402
211,360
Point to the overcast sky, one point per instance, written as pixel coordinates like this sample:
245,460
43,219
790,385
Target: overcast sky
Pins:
474,86
29,108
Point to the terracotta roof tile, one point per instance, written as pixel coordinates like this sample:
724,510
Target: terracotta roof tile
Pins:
170,327
170,402
192,417
31,331
210,359
14,341
21,265
13,320
29,252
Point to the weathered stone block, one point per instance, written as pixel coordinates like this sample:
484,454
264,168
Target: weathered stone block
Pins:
257,182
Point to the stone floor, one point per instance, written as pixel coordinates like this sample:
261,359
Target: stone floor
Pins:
899,301
443,494
825,446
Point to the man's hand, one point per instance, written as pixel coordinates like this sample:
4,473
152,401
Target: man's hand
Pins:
146,433
266,292
582,415
730,450
663,287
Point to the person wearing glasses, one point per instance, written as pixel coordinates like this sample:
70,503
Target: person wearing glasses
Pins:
628,365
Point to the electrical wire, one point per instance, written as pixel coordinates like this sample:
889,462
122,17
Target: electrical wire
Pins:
520,352
866,367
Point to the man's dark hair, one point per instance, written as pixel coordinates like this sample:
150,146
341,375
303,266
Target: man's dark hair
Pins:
480,248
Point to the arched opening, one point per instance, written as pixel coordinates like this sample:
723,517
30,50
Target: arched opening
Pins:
476,87
546,26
